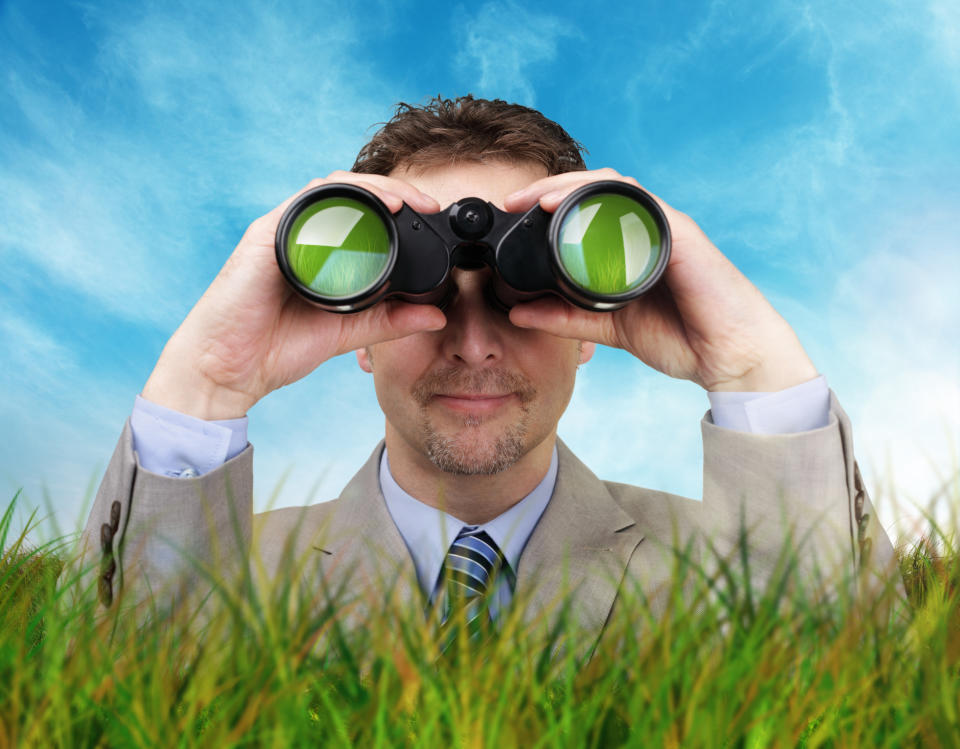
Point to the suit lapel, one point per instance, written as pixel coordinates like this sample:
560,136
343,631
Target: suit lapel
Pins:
362,547
580,548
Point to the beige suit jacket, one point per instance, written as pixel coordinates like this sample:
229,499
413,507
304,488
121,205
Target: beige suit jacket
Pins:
147,534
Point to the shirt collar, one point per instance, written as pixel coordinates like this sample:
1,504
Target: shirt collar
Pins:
428,532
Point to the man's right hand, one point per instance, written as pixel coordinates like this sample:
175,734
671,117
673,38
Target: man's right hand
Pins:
250,334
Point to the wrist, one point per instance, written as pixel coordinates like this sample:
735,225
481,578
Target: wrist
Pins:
770,377
188,392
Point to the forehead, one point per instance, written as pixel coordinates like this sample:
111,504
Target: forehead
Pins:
491,181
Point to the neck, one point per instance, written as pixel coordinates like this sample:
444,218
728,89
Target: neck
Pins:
474,499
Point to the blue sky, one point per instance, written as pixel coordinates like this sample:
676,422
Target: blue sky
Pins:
816,143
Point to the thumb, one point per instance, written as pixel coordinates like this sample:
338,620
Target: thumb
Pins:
389,320
560,318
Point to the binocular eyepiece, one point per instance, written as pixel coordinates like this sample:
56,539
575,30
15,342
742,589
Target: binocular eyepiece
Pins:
341,249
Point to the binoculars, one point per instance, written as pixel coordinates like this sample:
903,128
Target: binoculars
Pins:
342,250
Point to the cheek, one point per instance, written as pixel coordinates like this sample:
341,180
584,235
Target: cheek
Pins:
402,358
554,371
396,367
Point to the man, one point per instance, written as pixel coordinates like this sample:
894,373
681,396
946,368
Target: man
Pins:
472,396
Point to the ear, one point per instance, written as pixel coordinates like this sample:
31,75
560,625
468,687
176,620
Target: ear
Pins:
586,351
365,360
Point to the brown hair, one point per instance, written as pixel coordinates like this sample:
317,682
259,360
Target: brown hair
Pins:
445,131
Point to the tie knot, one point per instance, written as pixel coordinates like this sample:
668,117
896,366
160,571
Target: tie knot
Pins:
472,562
470,571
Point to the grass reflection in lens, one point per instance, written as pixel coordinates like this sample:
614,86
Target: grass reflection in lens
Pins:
609,244
338,247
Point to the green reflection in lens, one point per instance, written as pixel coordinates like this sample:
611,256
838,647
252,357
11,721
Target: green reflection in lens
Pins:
338,247
609,244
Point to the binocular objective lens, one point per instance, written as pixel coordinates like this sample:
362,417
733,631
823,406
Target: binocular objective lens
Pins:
338,247
609,244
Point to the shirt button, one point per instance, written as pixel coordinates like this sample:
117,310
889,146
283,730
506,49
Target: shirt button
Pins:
188,473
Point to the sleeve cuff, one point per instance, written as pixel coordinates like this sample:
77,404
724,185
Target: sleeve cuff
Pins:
170,443
800,408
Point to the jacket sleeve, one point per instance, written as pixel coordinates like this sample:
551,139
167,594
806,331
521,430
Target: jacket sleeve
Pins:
151,541
798,493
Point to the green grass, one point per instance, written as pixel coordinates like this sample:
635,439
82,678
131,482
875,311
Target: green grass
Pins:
723,666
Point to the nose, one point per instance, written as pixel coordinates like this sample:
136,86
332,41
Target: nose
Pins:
474,331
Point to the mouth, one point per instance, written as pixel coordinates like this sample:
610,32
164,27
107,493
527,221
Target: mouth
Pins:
476,403
473,396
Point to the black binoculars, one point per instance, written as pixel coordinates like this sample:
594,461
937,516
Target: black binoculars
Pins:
341,249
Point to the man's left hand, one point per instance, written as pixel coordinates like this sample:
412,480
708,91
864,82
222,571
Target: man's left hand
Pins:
703,322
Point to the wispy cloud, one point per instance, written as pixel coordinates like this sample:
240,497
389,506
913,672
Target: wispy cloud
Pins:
637,426
844,213
816,144
504,44
129,172
119,195
945,31
895,313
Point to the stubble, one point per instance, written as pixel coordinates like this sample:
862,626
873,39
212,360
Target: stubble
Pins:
469,451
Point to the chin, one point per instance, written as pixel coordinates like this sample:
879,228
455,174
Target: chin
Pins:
472,452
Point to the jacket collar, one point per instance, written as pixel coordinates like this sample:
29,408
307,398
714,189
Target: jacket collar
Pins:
578,552
579,549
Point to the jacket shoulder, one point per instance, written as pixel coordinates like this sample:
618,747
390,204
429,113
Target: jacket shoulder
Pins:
301,529
660,514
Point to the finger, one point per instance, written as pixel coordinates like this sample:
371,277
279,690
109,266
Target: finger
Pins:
413,197
391,198
262,232
274,215
387,321
526,198
551,201
562,319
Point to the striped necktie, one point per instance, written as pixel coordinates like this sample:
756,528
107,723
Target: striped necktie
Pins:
471,571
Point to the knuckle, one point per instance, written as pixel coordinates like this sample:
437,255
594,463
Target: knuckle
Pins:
257,225
258,228
679,218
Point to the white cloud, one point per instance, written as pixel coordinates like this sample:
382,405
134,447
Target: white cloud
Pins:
317,433
503,42
946,33
123,189
120,190
895,318
631,424
29,351
124,185
908,438
661,68
847,223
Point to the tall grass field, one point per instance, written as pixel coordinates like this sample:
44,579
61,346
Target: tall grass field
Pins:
724,666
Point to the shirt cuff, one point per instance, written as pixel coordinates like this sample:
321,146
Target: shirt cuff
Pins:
800,408
174,444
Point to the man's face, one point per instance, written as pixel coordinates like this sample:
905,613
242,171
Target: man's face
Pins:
478,395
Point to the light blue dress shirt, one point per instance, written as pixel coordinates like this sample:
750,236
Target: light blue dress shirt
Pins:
428,532
174,444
